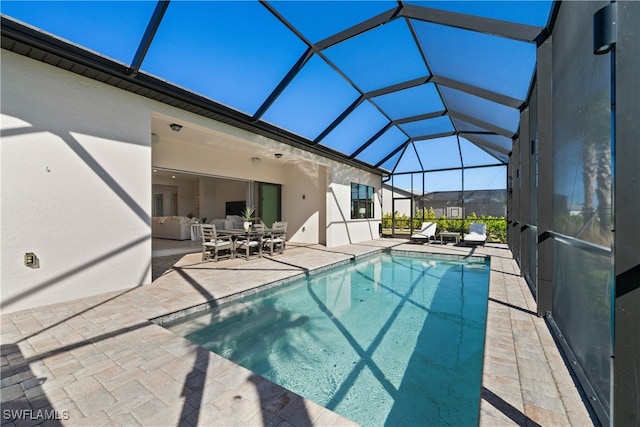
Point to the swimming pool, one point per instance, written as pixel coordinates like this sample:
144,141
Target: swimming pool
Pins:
389,340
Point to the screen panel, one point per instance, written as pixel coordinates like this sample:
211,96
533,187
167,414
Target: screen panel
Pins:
439,153
414,101
361,125
409,162
318,20
313,100
113,29
381,147
582,196
210,48
473,155
378,58
428,127
521,11
481,109
493,63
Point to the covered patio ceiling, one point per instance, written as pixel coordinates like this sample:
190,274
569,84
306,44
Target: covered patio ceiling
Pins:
395,86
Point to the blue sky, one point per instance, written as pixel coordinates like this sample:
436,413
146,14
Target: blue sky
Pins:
237,52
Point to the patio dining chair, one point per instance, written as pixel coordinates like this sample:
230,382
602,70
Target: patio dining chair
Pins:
282,224
212,244
249,245
275,239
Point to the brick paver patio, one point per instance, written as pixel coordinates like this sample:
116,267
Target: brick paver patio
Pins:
101,361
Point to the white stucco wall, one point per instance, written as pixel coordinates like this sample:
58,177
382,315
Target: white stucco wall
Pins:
341,229
75,186
303,202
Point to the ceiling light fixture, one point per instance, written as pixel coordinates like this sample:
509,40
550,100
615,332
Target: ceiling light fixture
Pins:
278,155
175,127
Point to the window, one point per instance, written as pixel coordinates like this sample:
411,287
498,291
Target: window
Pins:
361,201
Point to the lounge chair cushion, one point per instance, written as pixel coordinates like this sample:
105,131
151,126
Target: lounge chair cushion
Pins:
427,231
477,233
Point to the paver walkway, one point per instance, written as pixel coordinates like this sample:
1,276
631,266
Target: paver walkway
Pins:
100,361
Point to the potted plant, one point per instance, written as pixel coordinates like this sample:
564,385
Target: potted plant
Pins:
247,216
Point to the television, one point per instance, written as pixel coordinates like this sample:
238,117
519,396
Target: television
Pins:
234,208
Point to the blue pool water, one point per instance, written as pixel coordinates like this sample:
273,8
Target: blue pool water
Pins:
391,340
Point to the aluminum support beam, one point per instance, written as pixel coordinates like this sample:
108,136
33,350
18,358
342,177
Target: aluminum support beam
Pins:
525,158
544,290
484,125
511,30
149,33
476,139
479,92
360,28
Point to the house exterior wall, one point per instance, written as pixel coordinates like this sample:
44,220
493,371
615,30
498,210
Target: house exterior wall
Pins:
303,202
76,184
341,229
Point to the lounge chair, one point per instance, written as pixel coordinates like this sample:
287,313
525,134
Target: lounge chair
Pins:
213,244
477,234
427,231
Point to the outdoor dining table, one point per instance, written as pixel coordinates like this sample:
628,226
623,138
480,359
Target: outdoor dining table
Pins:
249,234
239,232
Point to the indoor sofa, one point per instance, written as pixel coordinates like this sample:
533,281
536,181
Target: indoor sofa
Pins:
171,227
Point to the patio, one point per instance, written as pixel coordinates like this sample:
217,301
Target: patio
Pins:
100,361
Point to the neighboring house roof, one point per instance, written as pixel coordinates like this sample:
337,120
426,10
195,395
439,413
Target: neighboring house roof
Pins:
399,191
